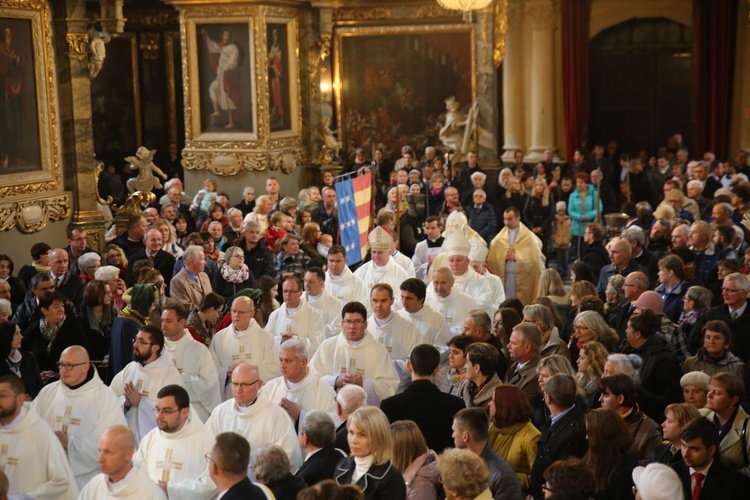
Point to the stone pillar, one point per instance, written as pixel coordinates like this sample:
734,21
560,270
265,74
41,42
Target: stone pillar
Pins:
513,84
486,88
79,166
543,81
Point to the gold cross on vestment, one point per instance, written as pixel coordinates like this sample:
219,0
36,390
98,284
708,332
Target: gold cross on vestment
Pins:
139,387
66,420
5,459
242,357
167,465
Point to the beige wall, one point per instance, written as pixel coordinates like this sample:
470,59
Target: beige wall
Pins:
233,186
17,245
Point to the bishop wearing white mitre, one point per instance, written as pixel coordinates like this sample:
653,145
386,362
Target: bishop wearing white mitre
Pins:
78,408
382,268
139,382
174,454
192,360
443,297
254,416
466,280
355,357
478,256
341,282
243,341
320,299
295,318
30,453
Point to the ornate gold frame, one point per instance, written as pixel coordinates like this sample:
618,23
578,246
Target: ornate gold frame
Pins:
281,16
31,199
342,32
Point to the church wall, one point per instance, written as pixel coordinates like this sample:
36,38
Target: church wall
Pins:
740,126
17,245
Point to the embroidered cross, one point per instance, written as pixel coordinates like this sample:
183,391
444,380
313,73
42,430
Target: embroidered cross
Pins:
66,420
167,465
5,459
139,388
242,357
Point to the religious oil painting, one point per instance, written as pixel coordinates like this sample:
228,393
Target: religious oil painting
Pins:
278,77
19,110
225,74
392,83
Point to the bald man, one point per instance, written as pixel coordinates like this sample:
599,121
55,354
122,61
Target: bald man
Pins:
78,408
119,477
621,263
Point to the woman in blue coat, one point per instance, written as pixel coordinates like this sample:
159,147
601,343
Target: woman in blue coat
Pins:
582,209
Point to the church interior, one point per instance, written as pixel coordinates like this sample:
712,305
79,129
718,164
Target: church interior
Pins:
309,81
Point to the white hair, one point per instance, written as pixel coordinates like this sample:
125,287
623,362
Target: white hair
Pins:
695,183
107,273
479,175
191,252
88,260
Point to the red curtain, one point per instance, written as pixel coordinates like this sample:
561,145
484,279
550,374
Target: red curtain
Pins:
714,31
576,15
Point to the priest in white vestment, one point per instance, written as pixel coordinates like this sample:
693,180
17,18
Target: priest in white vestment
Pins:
192,360
465,279
431,324
451,303
296,391
403,261
243,341
119,477
428,249
138,383
295,318
355,357
30,453
254,416
382,268
78,408
341,282
328,306
174,454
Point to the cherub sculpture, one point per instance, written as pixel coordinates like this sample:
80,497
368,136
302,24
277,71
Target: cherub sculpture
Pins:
456,133
143,162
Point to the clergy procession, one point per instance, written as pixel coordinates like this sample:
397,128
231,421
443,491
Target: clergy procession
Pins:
524,350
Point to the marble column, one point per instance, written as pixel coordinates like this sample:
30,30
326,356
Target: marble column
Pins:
543,19
513,86
486,89
79,166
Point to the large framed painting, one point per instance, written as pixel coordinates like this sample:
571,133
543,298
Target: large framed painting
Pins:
392,82
283,80
29,136
222,85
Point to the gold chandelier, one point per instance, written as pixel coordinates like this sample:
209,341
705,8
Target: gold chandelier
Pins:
464,5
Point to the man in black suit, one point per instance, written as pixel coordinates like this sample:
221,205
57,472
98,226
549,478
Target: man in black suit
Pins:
227,464
349,399
422,402
735,313
565,436
317,433
163,261
70,285
703,476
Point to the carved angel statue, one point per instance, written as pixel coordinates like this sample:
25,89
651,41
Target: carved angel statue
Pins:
143,162
97,50
456,133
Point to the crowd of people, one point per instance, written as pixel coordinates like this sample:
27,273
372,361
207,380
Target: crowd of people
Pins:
498,341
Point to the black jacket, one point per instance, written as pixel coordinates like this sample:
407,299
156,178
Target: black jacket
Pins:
380,482
740,329
29,312
321,465
259,260
163,262
621,480
244,490
430,408
29,373
596,256
287,488
566,438
662,454
660,377
341,442
72,288
48,353
227,289
721,482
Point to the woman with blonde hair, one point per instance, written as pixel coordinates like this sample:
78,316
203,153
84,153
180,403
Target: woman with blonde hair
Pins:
369,465
548,367
678,415
169,238
417,463
551,286
464,475
263,206
539,211
591,360
588,326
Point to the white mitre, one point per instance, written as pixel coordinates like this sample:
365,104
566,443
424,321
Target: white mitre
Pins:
380,239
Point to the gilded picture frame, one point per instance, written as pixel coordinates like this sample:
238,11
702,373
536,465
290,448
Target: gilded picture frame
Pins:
391,82
31,156
282,76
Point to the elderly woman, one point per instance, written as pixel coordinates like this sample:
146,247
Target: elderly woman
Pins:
88,263
272,469
17,361
725,391
201,322
588,326
96,317
542,317
511,433
696,302
591,360
672,288
548,367
115,256
6,312
369,465
233,274
111,276
450,377
17,289
677,416
48,337
39,254
464,475
715,356
169,238
695,389
616,302
232,231
417,463
503,179
551,286
289,258
263,206
578,290
216,233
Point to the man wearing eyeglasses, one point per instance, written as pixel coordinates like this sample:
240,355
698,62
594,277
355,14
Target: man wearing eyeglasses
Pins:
174,453
137,384
296,318
78,408
735,313
253,415
77,246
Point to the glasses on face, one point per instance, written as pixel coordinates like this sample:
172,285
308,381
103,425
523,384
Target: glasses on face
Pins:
165,411
68,366
140,341
353,321
289,292
238,385
580,328
208,458
730,290
239,313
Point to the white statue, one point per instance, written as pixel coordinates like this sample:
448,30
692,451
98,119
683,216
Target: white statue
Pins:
97,50
143,162
329,136
456,133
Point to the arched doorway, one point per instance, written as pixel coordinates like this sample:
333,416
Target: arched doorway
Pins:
641,84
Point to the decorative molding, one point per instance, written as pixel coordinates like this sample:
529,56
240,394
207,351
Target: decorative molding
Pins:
32,215
229,163
432,11
25,4
153,19
149,44
78,44
500,31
